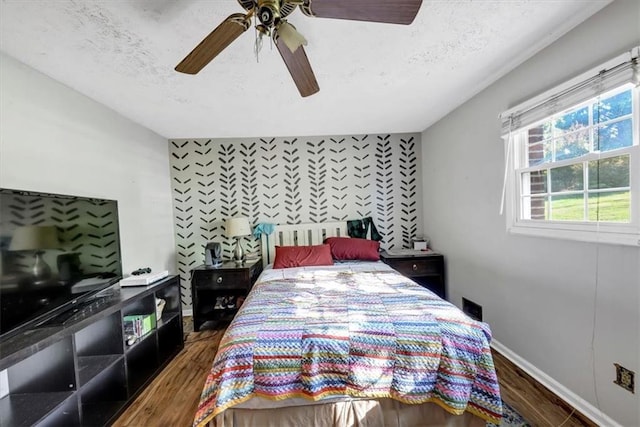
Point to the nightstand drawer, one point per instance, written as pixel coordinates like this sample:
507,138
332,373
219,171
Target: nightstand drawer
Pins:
221,279
425,270
416,267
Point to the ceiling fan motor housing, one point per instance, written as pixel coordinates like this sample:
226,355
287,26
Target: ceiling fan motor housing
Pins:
269,12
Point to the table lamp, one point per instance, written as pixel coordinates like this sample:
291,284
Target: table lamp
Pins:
238,227
36,238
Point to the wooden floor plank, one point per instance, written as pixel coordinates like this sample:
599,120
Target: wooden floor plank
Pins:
172,398
532,400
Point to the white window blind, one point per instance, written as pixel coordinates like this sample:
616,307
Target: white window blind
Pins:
620,70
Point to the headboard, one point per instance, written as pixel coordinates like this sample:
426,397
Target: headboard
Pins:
299,235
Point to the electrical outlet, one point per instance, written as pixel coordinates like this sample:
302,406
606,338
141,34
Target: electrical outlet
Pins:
625,378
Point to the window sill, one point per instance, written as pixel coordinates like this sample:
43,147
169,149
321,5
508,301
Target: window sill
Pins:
580,235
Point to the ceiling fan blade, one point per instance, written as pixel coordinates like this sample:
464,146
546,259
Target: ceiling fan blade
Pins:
230,29
299,67
389,11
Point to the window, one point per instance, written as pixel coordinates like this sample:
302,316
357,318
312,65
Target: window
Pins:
573,159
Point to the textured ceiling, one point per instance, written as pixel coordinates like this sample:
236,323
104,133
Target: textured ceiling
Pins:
374,78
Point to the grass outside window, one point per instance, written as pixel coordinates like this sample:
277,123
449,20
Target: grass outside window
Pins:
607,207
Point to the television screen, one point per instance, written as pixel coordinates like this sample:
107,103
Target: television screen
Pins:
55,251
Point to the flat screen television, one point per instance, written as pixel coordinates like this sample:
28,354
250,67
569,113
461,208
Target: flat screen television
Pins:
56,252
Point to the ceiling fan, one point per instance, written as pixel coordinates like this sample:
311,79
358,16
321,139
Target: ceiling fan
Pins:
272,14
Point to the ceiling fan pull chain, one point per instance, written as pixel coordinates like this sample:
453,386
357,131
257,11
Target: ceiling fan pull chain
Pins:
257,46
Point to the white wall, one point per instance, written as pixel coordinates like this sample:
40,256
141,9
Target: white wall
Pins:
538,294
53,139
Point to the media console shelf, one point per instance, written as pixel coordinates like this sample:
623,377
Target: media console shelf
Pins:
81,370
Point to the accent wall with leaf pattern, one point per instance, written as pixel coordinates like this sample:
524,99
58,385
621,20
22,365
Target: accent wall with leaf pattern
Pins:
291,180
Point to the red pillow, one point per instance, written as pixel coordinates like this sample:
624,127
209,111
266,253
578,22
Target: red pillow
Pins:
348,248
302,256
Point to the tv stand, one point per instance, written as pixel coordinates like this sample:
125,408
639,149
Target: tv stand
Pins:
83,309
81,371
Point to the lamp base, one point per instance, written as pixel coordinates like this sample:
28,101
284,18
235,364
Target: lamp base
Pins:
238,253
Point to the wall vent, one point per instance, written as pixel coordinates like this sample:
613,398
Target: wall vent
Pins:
472,309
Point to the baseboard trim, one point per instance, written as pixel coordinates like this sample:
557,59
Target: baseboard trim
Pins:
581,405
189,312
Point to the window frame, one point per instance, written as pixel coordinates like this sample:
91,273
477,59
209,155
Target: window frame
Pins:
588,231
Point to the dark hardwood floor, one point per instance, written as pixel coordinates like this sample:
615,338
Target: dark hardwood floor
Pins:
532,400
171,399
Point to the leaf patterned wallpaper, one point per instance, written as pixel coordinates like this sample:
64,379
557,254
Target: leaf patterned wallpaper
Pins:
291,180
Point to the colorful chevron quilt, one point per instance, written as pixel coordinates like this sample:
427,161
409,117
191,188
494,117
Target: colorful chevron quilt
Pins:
361,334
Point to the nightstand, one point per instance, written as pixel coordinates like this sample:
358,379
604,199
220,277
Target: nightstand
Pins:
427,269
215,291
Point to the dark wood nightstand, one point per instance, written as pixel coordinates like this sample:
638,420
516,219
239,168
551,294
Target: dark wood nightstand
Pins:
427,269
212,286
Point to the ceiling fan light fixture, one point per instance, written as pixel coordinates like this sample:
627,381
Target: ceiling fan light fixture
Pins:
290,36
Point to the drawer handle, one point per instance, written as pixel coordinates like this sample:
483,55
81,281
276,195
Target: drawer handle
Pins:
415,267
219,280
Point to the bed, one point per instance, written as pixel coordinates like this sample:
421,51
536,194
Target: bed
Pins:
349,344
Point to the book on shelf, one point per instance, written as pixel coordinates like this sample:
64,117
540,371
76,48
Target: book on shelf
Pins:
137,326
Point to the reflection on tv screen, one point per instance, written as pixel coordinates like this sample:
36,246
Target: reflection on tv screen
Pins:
54,250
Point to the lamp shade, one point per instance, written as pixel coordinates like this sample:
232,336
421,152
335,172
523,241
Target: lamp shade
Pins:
237,227
34,237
